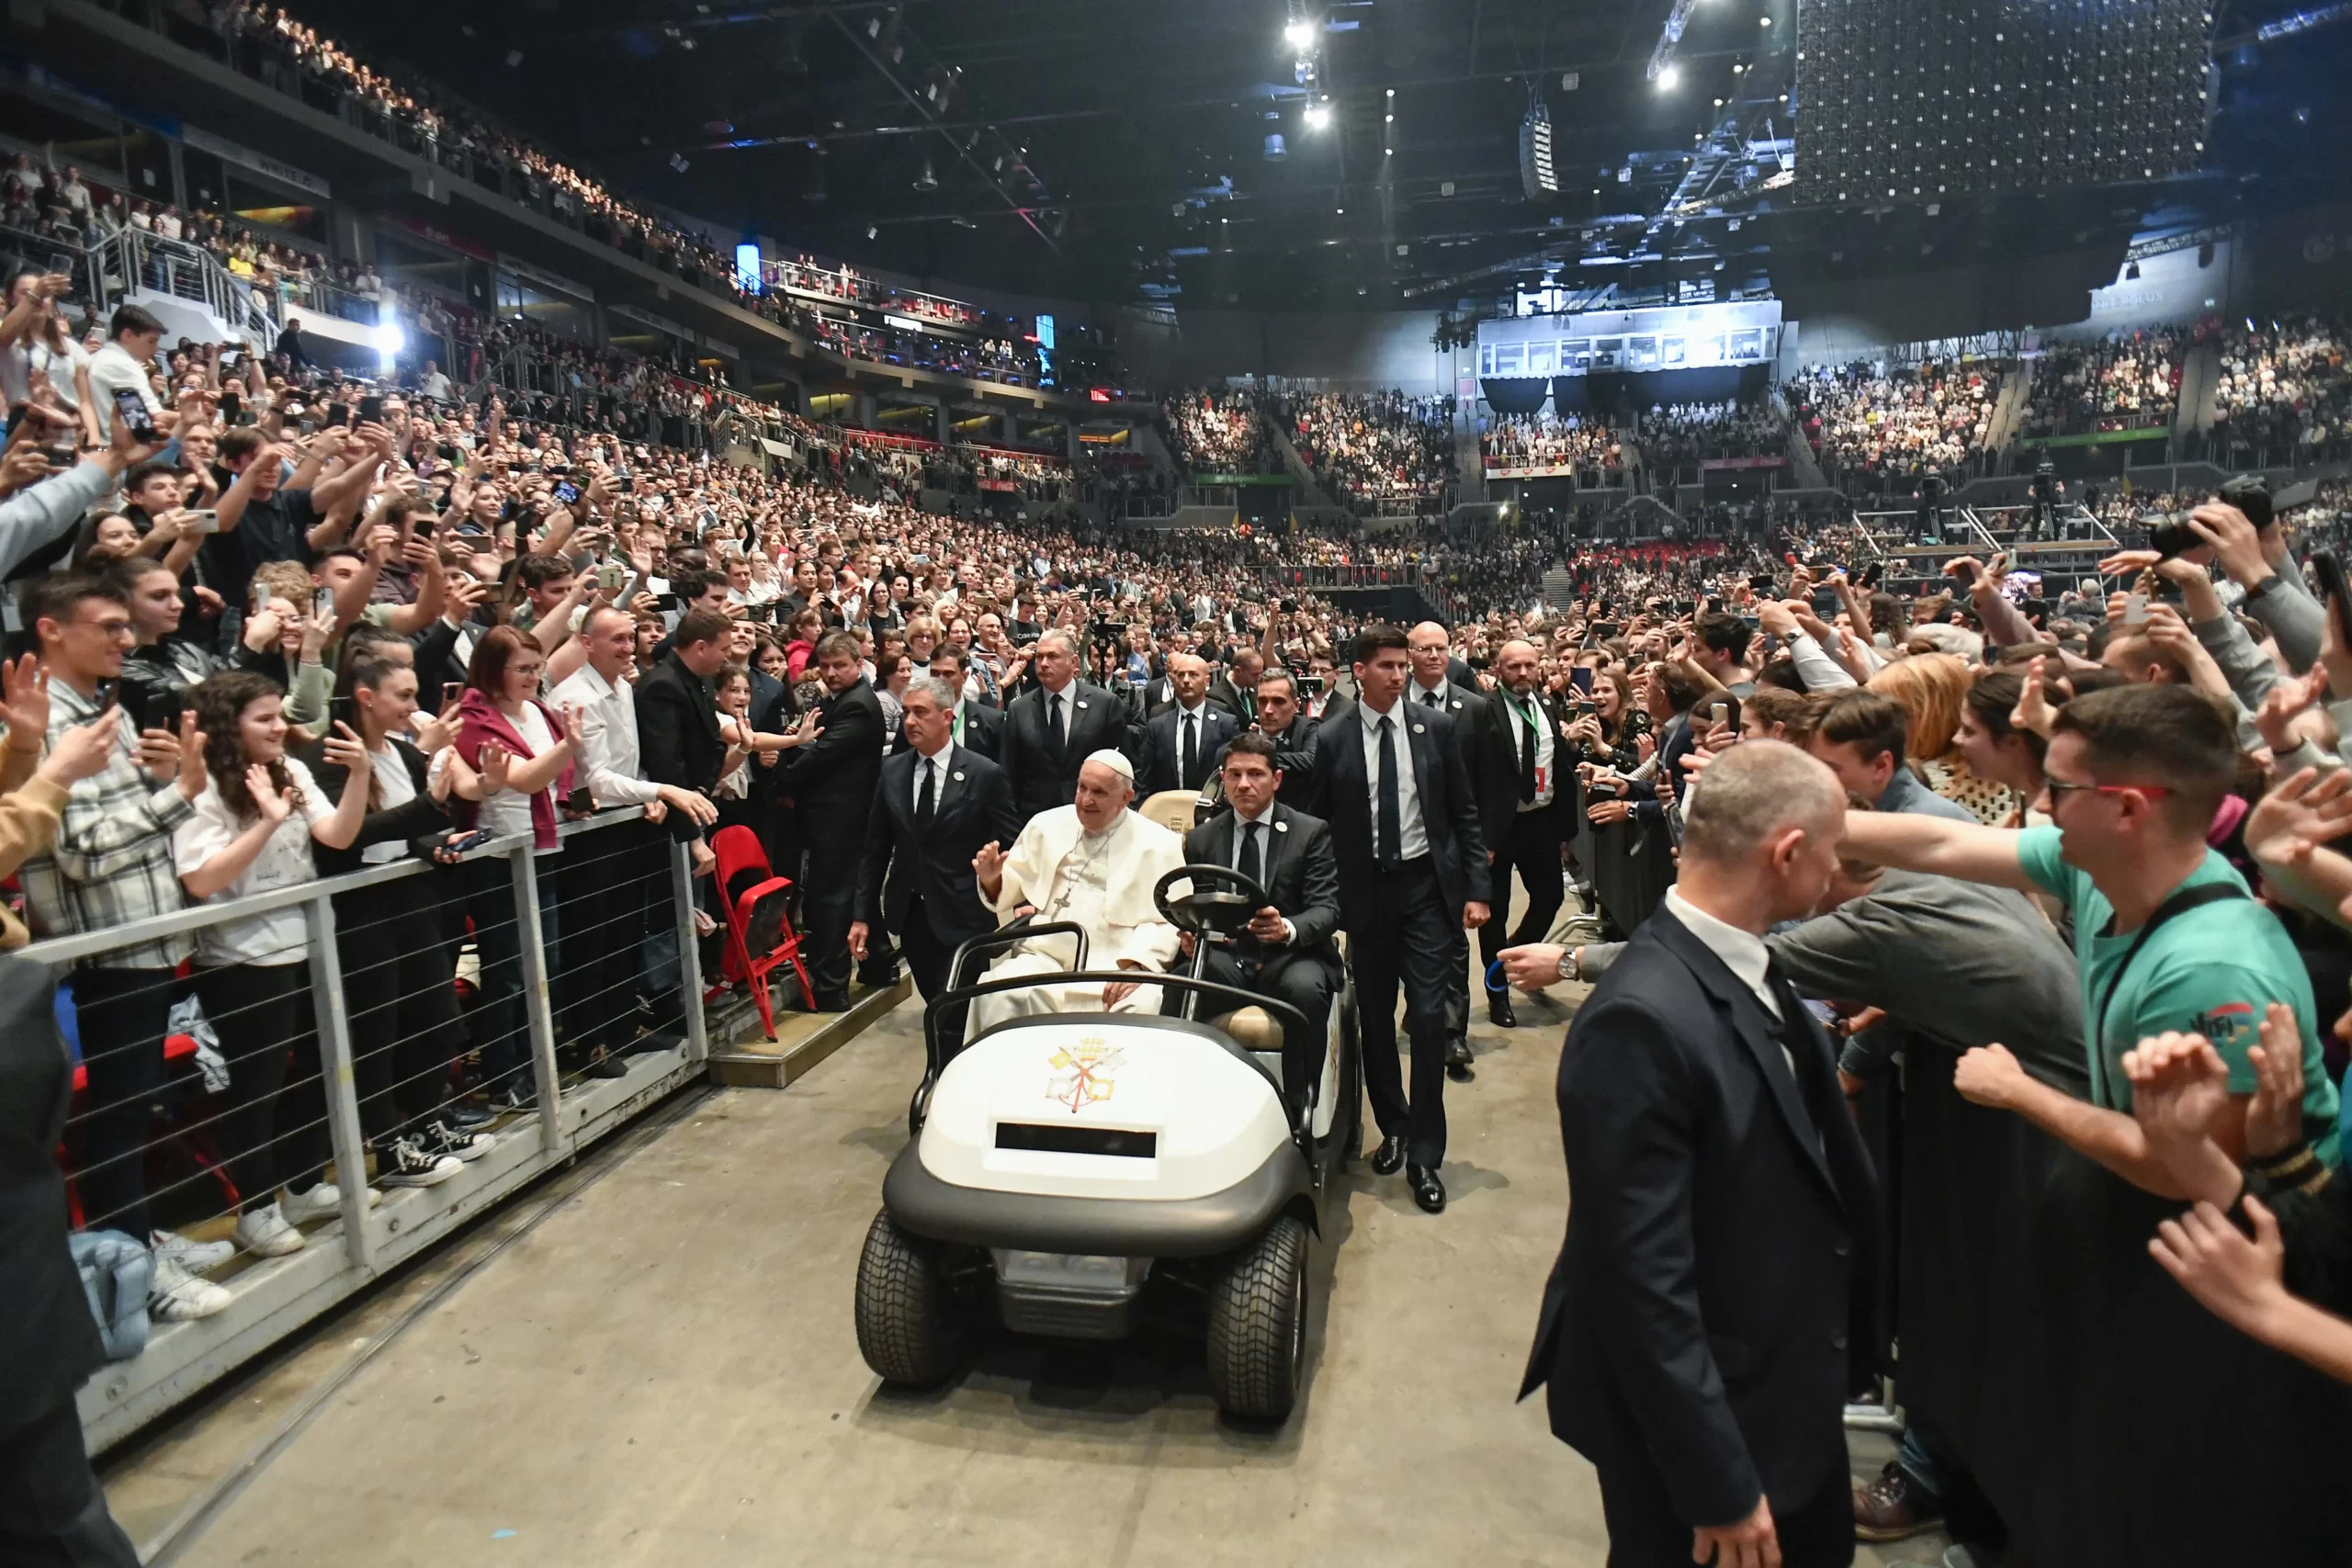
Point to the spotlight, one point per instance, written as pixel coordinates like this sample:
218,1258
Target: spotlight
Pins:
1668,78
1318,116
872,230
929,179
1299,34
678,162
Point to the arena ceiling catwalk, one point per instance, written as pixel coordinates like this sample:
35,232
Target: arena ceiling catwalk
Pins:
1274,152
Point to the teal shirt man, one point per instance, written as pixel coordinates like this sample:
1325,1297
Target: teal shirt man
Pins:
2214,970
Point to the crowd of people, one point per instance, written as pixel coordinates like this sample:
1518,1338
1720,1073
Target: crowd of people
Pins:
2284,386
1211,429
1373,450
1586,443
2128,381
1895,421
1680,434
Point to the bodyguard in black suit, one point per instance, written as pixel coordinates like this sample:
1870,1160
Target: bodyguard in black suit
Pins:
1432,689
830,779
1281,721
1696,1332
677,715
1528,723
974,726
937,803
1181,741
1412,874
1289,954
1050,731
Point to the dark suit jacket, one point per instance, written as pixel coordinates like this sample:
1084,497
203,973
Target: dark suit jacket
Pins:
973,807
1163,749
1242,704
1302,877
50,1344
1295,753
1449,818
770,700
677,726
835,772
1717,1267
1494,778
405,824
1041,777
1508,732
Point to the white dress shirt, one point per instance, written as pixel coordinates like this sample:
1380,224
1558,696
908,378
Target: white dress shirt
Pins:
1742,952
1265,821
1419,695
1412,838
607,757
1528,713
935,765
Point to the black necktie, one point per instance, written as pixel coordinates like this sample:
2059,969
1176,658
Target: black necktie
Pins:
1252,866
1526,756
1392,814
1813,1087
1055,735
924,802
1430,699
1192,752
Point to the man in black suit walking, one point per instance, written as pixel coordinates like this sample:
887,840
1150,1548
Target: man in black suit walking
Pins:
938,803
1180,742
1696,1331
1492,794
974,725
1287,953
1049,732
1284,722
1413,876
1530,721
830,778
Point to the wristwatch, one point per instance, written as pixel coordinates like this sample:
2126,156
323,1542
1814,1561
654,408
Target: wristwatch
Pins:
1570,968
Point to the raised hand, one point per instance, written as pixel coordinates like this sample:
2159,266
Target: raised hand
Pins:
24,701
276,805
495,759
2275,718
2305,812
2273,1119
2239,1281
2033,711
344,748
988,866
83,751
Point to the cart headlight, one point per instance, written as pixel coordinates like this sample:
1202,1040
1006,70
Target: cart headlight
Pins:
1070,1271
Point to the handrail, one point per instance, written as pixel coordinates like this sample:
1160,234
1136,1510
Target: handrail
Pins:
60,950
185,271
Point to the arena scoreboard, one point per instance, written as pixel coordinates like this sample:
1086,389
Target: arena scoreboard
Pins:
1915,100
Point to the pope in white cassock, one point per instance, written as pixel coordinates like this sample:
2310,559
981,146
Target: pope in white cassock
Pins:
1092,863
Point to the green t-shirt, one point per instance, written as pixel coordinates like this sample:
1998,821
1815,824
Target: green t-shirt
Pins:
2214,970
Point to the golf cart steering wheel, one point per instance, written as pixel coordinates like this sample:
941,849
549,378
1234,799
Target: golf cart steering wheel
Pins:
1208,910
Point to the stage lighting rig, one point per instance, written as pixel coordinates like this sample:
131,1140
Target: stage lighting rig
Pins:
1946,98
1538,177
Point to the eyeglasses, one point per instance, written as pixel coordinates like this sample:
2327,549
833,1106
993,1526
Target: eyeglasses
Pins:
122,629
2059,789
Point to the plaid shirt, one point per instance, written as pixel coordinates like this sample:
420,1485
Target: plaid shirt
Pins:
111,862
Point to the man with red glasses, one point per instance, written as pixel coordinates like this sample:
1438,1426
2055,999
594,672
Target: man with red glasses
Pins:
2165,934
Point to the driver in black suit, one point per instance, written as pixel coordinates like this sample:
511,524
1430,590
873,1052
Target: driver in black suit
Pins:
1288,952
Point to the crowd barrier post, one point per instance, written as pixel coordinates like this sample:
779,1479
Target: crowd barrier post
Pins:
537,1000
682,903
342,1087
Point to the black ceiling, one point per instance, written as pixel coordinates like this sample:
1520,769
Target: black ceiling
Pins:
1115,150
1126,131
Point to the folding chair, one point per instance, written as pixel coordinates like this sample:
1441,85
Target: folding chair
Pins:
744,879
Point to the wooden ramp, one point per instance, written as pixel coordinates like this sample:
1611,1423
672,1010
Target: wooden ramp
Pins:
748,1059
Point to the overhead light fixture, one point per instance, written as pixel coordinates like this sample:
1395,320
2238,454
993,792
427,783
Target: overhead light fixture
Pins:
1299,34
872,230
929,179
678,162
1668,78
1318,116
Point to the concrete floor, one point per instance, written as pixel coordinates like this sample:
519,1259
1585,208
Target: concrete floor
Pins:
665,1372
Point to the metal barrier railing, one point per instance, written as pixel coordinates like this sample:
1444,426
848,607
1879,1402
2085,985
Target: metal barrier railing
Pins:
294,1115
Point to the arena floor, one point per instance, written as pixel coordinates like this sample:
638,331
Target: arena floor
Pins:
656,1365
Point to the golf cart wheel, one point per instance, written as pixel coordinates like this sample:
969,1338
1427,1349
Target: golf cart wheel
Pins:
1257,1324
906,1328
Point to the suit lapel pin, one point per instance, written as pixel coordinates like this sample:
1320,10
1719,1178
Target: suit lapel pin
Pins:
958,777
1081,702
1417,729
1281,827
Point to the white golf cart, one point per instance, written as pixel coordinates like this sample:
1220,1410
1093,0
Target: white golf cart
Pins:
1074,1174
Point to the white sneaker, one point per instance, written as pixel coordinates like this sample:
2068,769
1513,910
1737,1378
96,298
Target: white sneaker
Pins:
175,1295
266,1233
404,1163
190,1254
324,1202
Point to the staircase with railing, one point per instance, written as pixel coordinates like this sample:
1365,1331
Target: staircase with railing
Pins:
134,266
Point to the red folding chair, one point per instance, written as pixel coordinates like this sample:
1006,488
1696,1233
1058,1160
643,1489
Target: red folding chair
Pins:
745,879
